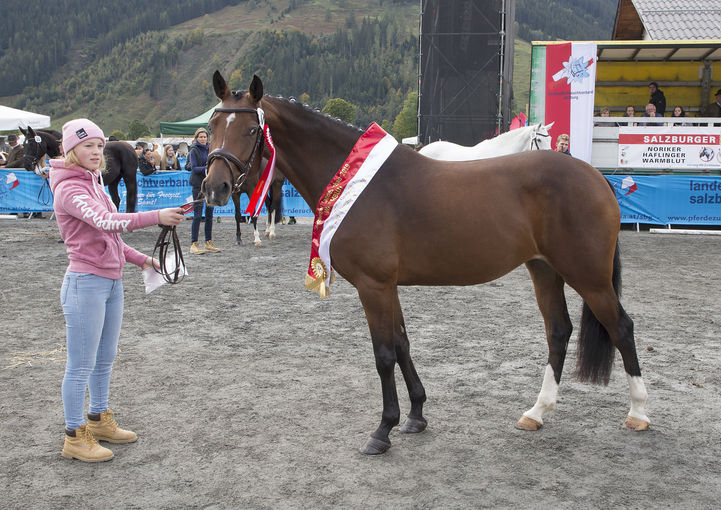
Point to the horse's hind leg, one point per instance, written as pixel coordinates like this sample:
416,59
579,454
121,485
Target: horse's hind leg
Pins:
131,193
238,217
548,285
415,422
604,320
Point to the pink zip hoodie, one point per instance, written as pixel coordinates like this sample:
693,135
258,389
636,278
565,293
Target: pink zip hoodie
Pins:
89,223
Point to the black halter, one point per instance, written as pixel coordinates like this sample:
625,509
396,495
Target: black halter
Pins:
534,140
228,157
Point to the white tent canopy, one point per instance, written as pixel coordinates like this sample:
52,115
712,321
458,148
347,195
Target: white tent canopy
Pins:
11,119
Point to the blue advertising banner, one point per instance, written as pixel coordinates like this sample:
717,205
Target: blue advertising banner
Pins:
22,191
657,199
668,199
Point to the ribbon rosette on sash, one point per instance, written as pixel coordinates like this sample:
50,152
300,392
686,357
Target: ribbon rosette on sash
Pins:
365,159
261,189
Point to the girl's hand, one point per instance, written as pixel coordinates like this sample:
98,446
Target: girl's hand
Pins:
171,216
151,262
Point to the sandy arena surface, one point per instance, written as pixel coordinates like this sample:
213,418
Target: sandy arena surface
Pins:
247,391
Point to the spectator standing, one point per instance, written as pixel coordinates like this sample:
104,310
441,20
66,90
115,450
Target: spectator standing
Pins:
170,160
92,289
657,98
563,144
16,153
713,109
198,157
146,162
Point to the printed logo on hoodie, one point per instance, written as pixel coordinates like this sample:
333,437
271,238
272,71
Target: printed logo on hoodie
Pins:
81,203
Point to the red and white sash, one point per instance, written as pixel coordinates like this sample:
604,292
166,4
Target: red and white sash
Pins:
365,159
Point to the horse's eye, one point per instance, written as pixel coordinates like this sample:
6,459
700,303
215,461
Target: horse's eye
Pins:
253,130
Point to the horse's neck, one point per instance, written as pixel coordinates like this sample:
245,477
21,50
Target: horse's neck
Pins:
310,147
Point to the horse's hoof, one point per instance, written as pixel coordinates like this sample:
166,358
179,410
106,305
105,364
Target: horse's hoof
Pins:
257,244
636,424
267,234
375,447
271,235
526,423
413,425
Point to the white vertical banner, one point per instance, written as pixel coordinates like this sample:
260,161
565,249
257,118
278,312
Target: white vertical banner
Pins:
570,89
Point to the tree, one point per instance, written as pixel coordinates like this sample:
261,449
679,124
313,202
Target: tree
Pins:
235,82
340,108
137,129
406,123
118,134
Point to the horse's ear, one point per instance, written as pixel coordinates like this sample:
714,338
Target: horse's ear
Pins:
25,133
549,126
31,132
221,88
256,89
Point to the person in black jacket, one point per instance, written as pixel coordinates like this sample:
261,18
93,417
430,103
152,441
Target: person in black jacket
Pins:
657,98
198,158
146,165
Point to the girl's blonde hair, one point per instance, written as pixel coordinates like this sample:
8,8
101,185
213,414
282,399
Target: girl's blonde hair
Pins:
72,159
164,160
200,130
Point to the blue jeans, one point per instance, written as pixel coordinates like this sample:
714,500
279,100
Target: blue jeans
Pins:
197,216
93,308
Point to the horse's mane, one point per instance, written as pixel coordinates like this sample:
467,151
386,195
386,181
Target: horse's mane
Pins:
237,94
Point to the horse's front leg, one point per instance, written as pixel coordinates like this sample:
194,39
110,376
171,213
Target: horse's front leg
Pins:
415,422
256,235
378,302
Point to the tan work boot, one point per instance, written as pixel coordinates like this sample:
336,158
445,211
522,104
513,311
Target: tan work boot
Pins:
83,446
105,428
209,246
196,249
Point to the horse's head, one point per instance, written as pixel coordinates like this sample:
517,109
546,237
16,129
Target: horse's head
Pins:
541,138
236,136
37,145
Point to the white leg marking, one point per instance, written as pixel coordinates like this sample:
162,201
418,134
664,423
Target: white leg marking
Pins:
638,397
271,227
546,398
256,236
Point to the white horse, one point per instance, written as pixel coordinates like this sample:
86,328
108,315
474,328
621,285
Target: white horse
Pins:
533,137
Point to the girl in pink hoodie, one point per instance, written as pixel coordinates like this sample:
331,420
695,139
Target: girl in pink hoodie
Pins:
92,290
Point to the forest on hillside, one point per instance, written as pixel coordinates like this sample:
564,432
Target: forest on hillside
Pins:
84,61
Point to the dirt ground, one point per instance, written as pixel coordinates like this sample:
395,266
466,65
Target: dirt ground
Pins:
247,391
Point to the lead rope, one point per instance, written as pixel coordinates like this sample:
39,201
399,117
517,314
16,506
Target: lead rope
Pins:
163,245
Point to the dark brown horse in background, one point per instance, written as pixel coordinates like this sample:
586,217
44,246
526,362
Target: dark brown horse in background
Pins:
121,162
555,214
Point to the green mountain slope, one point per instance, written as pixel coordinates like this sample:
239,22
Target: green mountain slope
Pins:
156,64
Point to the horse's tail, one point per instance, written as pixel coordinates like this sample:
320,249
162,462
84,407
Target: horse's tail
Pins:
595,351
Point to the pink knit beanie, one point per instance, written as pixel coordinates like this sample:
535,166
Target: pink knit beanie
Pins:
77,130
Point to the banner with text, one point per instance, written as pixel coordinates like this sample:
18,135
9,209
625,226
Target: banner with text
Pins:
668,199
673,148
22,191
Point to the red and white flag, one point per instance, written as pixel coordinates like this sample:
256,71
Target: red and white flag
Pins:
570,89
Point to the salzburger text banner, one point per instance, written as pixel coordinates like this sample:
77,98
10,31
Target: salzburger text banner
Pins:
671,147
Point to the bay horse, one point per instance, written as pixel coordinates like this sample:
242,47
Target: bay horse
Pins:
272,204
121,162
527,138
555,214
